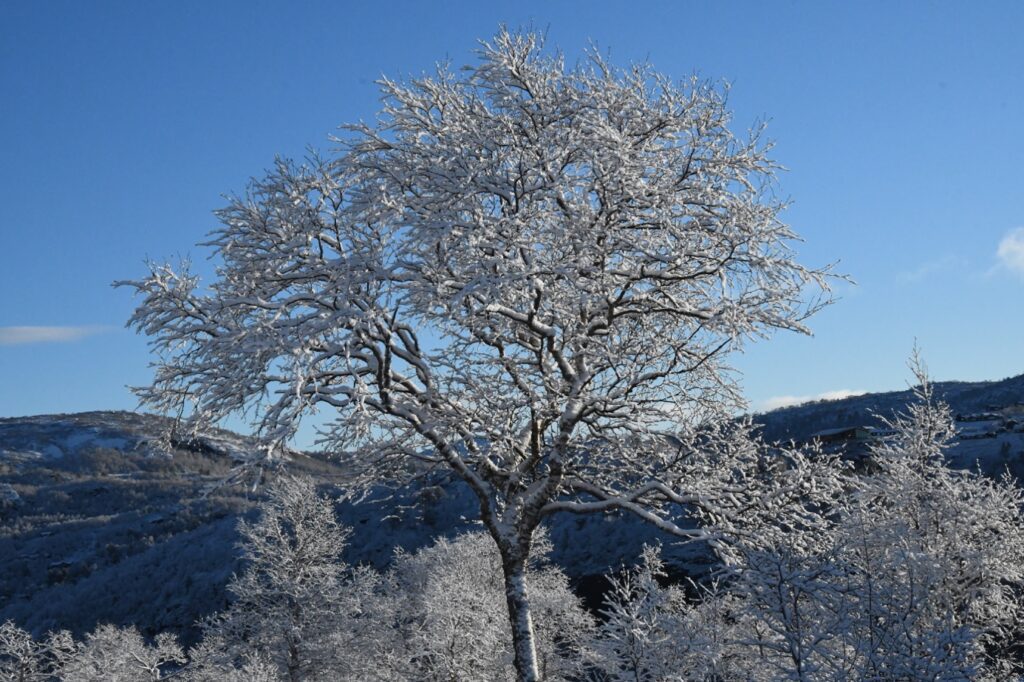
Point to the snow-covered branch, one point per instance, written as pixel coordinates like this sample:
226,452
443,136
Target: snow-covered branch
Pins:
515,261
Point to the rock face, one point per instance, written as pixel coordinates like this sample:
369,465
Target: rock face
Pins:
9,497
990,418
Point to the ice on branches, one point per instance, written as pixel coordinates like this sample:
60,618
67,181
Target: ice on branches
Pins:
523,271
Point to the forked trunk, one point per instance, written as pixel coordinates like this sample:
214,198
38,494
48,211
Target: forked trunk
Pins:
523,644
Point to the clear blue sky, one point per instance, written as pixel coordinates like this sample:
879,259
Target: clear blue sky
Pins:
902,124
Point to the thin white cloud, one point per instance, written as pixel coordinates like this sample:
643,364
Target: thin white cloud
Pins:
790,400
1011,250
20,336
931,268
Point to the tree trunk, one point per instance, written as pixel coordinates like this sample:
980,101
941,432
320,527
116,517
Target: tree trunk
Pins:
516,594
292,638
293,661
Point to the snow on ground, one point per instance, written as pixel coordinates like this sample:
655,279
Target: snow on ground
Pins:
88,507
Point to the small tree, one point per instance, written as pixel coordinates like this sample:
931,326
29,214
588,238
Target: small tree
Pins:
523,272
296,603
917,573
657,633
24,659
217,660
435,615
113,654
944,551
446,614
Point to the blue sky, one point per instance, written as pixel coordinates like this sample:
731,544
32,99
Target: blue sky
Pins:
902,124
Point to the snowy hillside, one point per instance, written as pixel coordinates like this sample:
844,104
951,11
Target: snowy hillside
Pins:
106,520
990,419
963,397
102,519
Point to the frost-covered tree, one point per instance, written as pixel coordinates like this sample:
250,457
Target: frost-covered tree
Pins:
444,608
657,633
437,614
218,660
941,552
113,654
919,574
24,659
912,571
297,603
524,271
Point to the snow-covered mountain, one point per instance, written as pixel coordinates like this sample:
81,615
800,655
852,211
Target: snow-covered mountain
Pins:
103,518
990,418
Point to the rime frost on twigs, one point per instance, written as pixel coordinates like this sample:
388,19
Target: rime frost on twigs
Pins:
917,575
521,255
522,271
24,659
447,614
297,605
108,654
113,654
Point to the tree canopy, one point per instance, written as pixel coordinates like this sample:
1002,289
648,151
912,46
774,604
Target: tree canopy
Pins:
524,271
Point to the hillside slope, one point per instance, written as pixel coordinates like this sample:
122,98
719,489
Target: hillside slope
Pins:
963,397
105,520
990,417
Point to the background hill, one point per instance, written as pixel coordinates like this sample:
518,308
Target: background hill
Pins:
964,397
990,416
105,519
